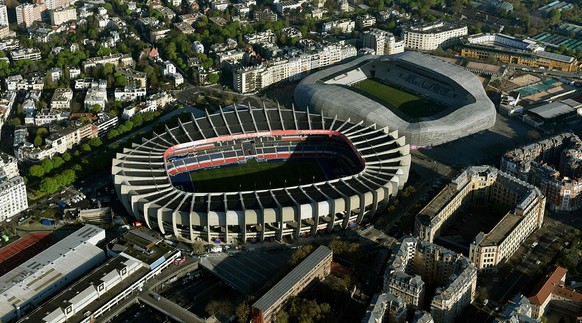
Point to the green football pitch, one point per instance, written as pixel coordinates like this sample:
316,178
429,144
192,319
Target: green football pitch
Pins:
256,175
396,99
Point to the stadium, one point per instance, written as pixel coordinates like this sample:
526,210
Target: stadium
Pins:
254,174
427,100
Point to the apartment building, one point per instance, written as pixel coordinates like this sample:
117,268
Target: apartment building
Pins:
27,14
132,76
385,306
415,263
266,36
427,37
552,293
342,25
13,199
129,93
61,99
96,94
365,21
254,78
3,15
65,138
116,60
484,185
382,42
62,15
25,53
19,83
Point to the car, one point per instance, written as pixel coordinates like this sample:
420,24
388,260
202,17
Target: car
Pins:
485,302
496,308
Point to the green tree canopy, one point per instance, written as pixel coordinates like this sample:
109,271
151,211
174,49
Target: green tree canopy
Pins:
36,171
37,141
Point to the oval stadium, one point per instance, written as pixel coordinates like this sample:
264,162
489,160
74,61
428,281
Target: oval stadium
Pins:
426,99
251,173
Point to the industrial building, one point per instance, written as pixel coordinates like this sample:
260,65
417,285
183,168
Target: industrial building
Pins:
72,302
485,185
152,179
316,266
28,285
468,109
415,263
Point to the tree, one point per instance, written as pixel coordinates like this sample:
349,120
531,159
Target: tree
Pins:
95,108
48,185
243,312
66,156
37,141
282,317
554,16
36,171
15,122
58,162
300,254
42,132
305,310
213,78
85,147
220,307
198,248
47,165
95,142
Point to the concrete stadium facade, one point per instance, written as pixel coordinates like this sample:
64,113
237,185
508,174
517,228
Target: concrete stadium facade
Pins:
143,178
468,109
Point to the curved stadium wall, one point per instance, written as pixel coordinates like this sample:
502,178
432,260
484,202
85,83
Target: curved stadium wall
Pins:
468,109
152,179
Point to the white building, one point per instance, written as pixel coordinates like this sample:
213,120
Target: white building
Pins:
18,83
254,78
105,123
3,15
45,117
96,94
432,36
382,42
74,72
25,53
129,93
75,299
169,68
28,285
62,98
197,47
115,59
342,25
13,199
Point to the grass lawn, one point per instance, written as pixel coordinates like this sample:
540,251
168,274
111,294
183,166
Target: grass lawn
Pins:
256,175
396,99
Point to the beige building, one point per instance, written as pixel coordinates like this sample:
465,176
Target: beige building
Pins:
13,199
62,15
63,139
552,293
483,185
432,35
382,42
115,59
415,262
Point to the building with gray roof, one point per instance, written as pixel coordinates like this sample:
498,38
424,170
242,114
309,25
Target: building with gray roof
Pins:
316,266
29,284
152,179
415,263
468,109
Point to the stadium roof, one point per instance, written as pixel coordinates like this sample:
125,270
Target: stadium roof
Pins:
552,110
469,109
290,280
33,277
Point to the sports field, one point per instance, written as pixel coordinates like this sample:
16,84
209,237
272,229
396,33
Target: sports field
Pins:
396,99
256,175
